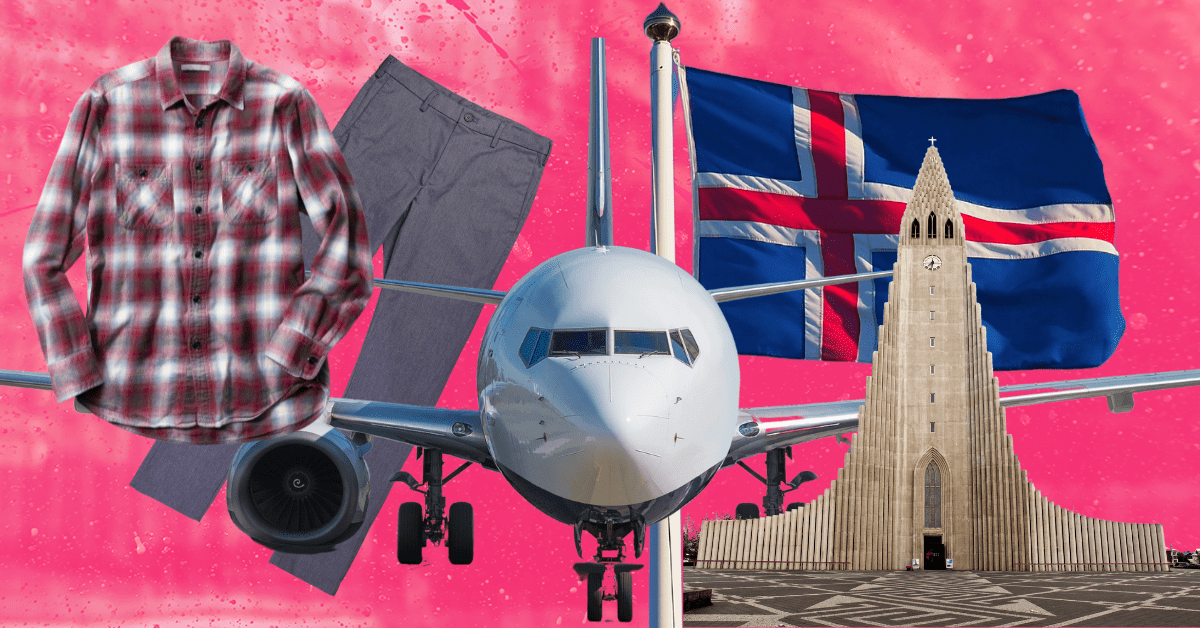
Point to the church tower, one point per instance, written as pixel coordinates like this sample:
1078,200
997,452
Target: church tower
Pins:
931,473
913,456
926,378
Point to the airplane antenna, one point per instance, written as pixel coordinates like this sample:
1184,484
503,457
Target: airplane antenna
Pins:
599,214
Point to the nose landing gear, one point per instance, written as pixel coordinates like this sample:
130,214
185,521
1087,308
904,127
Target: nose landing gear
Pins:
610,552
413,530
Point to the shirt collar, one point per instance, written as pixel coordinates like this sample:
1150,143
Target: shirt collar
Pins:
182,48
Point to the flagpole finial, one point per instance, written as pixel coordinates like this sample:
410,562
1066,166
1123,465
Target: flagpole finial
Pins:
661,25
931,141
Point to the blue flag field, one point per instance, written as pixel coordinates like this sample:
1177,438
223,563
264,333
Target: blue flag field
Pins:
793,183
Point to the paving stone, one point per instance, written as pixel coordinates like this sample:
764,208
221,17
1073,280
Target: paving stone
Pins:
778,598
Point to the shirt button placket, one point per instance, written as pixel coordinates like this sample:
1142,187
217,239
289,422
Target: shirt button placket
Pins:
197,240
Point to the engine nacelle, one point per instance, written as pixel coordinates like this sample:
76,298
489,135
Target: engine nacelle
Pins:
301,493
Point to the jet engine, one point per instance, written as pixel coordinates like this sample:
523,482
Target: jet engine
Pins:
301,493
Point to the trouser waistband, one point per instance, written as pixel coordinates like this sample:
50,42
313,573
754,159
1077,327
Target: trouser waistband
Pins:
446,102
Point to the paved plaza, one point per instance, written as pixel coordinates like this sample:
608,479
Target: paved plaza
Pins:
945,598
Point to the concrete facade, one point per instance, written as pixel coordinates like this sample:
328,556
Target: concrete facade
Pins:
932,456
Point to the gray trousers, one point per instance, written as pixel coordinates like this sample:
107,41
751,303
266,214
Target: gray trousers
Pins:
446,186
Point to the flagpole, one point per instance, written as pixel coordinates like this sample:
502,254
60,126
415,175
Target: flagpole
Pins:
666,560
662,26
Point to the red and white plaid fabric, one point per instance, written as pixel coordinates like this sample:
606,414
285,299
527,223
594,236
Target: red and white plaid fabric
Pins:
184,175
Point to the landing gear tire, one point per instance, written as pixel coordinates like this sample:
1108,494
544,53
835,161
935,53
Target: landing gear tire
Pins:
410,534
461,533
595,596
624,596
746,510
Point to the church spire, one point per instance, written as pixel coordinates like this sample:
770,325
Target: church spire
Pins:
931,216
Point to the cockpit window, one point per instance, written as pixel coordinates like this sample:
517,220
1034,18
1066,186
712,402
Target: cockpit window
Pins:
585,342
533,348
677,347
641,342
689,343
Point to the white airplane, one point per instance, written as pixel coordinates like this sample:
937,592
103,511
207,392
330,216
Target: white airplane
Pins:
608,386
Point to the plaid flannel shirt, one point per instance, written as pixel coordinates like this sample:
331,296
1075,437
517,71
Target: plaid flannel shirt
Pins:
184,175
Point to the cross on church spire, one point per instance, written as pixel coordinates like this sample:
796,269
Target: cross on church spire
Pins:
931,141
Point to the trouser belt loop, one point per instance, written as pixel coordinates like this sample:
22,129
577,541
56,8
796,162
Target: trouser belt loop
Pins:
425,103
496,135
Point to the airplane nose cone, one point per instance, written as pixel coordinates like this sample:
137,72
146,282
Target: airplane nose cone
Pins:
624,412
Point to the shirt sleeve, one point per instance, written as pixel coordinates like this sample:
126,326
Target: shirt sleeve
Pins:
55,240
327,304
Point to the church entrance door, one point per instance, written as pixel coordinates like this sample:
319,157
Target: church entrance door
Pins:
935,553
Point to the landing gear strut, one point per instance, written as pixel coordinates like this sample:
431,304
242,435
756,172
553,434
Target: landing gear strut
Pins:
610,552
413,530
776,472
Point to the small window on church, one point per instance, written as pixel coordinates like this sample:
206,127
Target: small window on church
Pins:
949,228
931,398
916,229
932,226
930,289
931,428
931,342
931,316
931,369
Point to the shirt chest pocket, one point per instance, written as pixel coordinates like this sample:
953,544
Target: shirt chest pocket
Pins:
144,196
248,191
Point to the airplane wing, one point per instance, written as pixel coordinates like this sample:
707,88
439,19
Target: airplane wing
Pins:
458,433
476,295
25,379
1118,389
733,293
763,429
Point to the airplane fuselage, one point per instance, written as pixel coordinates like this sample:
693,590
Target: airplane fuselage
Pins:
608,386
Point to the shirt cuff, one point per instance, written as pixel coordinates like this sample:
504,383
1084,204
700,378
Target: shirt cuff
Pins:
298,354
75,374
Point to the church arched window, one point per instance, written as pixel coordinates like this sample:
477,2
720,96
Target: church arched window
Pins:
916,229
949,228
932,226
933,496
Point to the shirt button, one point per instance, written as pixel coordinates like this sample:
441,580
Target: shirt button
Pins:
199,209
312,360
195,298
199,122
198,254
469,118
195,344
199,167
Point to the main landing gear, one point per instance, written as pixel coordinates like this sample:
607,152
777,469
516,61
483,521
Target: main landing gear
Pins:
773,501
413,530
610,552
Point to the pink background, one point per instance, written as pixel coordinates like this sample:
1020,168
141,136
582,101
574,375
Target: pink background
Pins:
78,547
